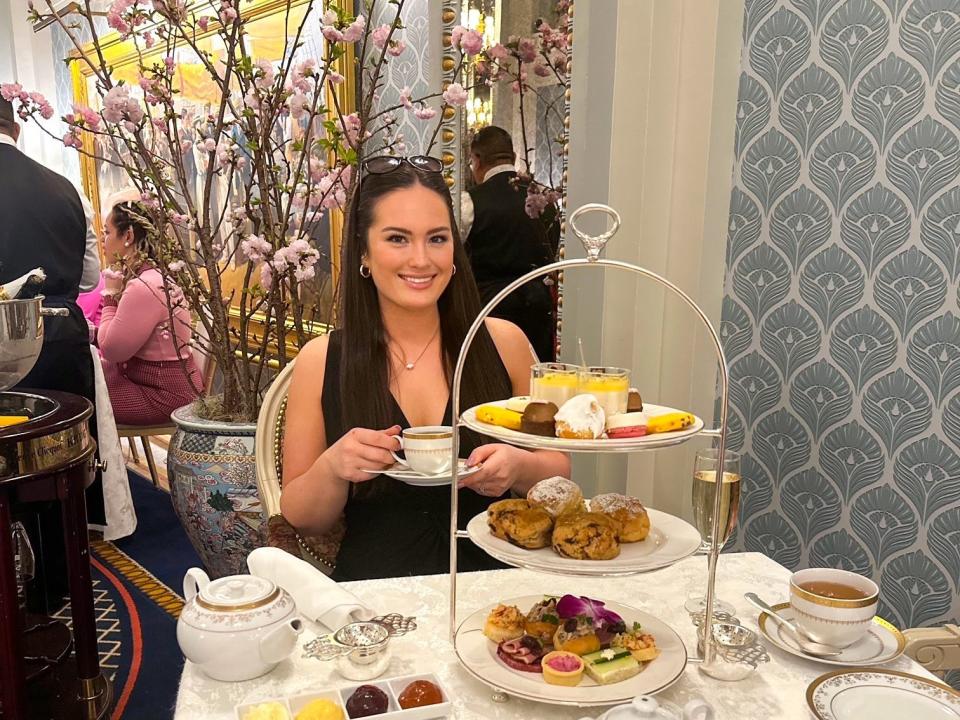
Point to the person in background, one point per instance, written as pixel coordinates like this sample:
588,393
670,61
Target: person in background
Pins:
91,303
43,224
503,242
145,327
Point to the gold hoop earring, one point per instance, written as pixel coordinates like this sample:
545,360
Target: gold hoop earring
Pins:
454,271
364,271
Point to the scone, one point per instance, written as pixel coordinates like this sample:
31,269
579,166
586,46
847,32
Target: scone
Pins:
557,496
505,622
628,512
519,524
586,536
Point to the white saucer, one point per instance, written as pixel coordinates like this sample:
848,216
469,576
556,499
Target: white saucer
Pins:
401,472
880,695
880,645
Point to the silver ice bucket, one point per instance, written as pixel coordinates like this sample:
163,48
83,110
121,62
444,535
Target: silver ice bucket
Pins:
21,337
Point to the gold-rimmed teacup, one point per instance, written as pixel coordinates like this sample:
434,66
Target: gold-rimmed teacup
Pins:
827,618
426,448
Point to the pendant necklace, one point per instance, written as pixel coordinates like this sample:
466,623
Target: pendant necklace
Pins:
412,365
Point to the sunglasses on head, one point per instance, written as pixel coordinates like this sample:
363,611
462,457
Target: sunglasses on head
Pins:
383,164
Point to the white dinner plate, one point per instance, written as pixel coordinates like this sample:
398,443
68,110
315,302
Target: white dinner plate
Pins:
670,540
539,442
882,643
399,471
881,695
479,656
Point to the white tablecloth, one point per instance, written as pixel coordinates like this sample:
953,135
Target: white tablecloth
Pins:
775,692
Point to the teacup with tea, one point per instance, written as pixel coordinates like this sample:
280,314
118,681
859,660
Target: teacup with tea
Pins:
427,449
834,607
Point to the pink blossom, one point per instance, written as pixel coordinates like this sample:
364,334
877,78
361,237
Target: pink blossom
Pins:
455,94
264,79
110,273
170,64
210,145
302,274
176,266
115,103
380,35
298,103
203,23
266,276
181,220
405,97
425,113
535,204
354,31
301,72
89,116
468,41
148,39
541,69
44,107
498,52
11,90
129,126
317,169
255,248
331,34
72,140
334,77
396,48
350,127
160,124
117,22
527,50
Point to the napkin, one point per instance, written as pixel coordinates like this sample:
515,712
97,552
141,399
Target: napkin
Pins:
317,596
12,289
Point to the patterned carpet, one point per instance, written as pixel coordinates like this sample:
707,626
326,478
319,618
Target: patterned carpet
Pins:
137,606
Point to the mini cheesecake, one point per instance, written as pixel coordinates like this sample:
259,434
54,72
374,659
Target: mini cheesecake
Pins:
611,665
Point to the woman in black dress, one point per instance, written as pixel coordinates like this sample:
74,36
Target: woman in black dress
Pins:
407,300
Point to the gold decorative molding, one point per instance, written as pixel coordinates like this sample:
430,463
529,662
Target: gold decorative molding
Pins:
451,130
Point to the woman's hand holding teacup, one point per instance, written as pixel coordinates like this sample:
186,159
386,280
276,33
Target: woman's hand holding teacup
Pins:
361,450
500,466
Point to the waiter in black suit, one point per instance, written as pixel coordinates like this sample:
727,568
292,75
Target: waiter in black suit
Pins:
44,226
503,242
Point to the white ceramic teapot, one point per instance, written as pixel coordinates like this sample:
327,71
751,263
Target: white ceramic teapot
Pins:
645,707
238,627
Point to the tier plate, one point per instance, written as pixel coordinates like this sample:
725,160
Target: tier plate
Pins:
603,445
479,656
671,539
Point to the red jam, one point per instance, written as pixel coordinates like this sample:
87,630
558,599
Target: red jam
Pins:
565,663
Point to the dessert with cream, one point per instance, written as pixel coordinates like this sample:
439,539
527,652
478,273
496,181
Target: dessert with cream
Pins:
581,418
553,382
610,386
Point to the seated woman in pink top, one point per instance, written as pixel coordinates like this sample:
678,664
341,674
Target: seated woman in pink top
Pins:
148,363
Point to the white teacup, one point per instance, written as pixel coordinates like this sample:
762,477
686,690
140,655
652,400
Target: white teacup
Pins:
833,620
428,448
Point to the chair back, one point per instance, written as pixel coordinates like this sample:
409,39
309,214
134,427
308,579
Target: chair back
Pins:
321,551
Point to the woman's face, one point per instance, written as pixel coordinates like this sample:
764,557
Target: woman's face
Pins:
410,247
114,241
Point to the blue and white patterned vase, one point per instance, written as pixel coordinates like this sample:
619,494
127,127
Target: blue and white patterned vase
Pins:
213,485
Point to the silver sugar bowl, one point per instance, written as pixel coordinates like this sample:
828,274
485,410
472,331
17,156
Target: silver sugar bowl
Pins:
361,650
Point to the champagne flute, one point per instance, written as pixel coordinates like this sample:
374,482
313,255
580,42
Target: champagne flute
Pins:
705,486
24,561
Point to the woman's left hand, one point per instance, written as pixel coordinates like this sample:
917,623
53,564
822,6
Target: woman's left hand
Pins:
501,467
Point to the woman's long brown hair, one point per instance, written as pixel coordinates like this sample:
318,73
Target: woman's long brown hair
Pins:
365,363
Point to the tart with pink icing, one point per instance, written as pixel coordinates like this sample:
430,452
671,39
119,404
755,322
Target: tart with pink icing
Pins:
562,668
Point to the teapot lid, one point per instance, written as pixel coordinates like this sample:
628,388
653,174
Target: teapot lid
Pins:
237,593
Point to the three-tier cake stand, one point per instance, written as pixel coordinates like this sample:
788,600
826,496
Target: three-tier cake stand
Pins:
594,245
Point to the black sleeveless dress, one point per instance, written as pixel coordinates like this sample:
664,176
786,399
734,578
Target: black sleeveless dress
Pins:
399,529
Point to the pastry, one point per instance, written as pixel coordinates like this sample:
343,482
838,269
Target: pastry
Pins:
367,700
542,621
580,418
562,668
557,495
669,422
634,401
611,665
628,512
501,417
267,711
518,404
538,419
577,636
626,425
520,524
586,536
420,693
640,644
523,654
320,709
505,622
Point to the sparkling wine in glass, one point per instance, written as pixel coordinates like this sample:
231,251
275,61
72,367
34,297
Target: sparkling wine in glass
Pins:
24,561
705,487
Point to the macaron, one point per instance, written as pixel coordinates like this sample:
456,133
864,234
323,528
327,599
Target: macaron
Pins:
627,425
